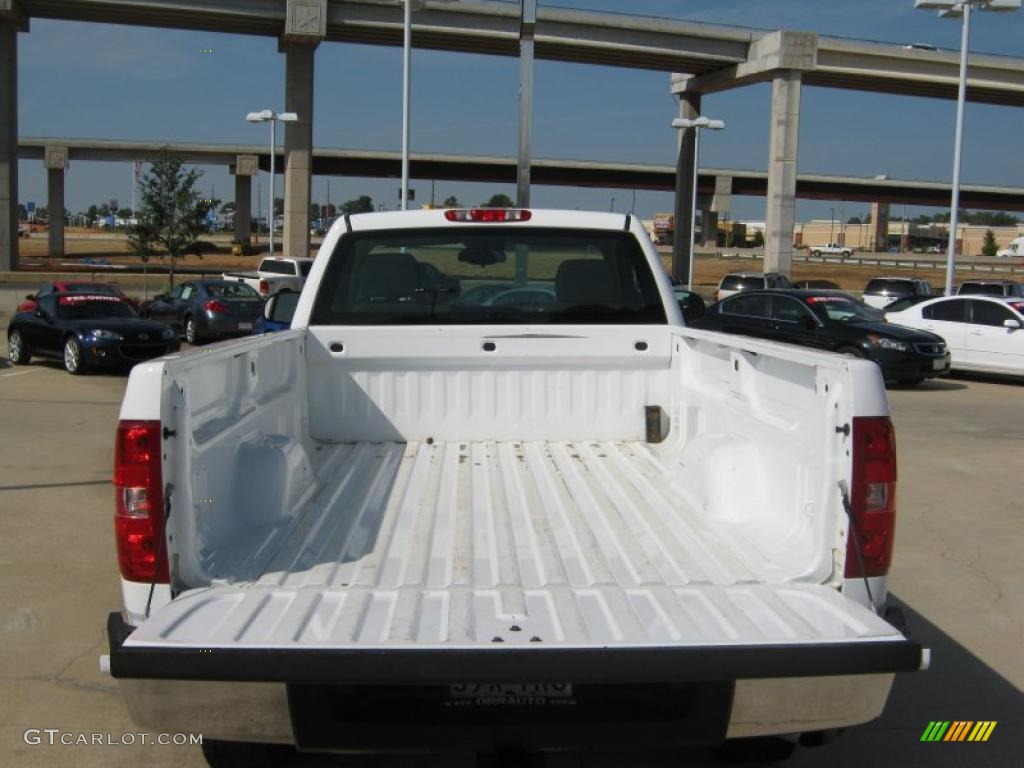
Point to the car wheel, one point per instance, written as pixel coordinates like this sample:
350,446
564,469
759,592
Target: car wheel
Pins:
816,254
17,352
191,332
847,254
74,359
851,352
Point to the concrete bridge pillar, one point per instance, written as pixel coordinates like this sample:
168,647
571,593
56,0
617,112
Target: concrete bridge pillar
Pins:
305,27
780,205
244,169
56,161
689,108
10,23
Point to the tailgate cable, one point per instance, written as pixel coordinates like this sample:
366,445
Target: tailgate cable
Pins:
845,492
168,490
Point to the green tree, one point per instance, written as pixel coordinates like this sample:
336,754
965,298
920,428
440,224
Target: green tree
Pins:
278,206
314,210
92,213
172,211
22,212
451,202
228,208
989,247
125,213
361,204
499,201
854,220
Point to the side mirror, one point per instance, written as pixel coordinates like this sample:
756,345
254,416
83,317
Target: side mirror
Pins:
1012,324
280,308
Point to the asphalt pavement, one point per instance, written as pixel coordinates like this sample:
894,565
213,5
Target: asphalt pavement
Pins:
957,572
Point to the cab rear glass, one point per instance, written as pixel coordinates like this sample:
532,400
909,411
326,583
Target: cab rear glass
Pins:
488,275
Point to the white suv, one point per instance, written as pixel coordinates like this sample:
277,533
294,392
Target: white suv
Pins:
735,282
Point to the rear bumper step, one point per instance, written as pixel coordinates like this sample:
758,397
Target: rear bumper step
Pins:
504,663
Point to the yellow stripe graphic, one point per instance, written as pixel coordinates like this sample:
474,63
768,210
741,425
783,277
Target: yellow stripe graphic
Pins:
988,731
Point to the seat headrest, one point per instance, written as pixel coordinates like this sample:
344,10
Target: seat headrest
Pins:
388,277
581,282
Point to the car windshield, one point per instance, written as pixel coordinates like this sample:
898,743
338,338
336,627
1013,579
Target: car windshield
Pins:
91,308
487,274
227,290
100,288
843,309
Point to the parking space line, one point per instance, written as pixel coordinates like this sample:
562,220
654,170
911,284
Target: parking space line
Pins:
18,373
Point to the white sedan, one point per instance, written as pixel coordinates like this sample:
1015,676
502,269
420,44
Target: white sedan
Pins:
983,333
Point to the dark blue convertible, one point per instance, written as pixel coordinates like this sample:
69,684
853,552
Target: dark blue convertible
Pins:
87,331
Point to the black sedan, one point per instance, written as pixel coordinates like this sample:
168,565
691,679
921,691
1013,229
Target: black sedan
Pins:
208,309
86,331
835,322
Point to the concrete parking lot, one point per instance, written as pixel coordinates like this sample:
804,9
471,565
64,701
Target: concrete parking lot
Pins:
957,572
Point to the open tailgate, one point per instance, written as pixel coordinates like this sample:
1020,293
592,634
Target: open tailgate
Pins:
601,633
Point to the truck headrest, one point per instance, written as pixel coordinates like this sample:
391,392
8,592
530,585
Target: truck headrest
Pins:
580,282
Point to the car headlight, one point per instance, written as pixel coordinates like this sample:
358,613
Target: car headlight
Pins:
168,334
885,343
107,335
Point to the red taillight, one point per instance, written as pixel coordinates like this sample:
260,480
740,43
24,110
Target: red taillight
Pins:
873,497
138,502
215,306
264,287
486,215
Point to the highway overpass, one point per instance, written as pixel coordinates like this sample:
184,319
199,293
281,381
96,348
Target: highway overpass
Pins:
703,59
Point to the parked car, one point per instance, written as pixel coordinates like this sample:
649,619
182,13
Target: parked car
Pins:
907,301
23,231
983,333
835,322
735,282
1007,288
86,331
75,286
208,309
413,524
880,292
277,312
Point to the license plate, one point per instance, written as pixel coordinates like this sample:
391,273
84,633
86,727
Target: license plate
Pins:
245,326
510,694
938,365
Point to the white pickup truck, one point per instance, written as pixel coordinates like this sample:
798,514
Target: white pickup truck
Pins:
275,274
829,249
489,490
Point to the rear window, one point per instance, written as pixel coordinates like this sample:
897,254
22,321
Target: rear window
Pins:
278,267
890,287
982,289
487,275
741,283
231,290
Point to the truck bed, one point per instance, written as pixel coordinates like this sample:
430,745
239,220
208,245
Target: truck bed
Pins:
466,543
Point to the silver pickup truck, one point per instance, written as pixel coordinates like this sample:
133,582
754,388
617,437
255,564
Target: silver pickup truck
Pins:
488,490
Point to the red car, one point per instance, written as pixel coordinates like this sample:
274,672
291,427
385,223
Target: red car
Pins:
76,286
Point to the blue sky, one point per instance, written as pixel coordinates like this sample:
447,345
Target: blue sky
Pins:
99,81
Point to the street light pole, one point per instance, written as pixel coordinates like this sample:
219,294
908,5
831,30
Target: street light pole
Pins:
268,115
406,95
831,225
954,212
954,9
696,124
